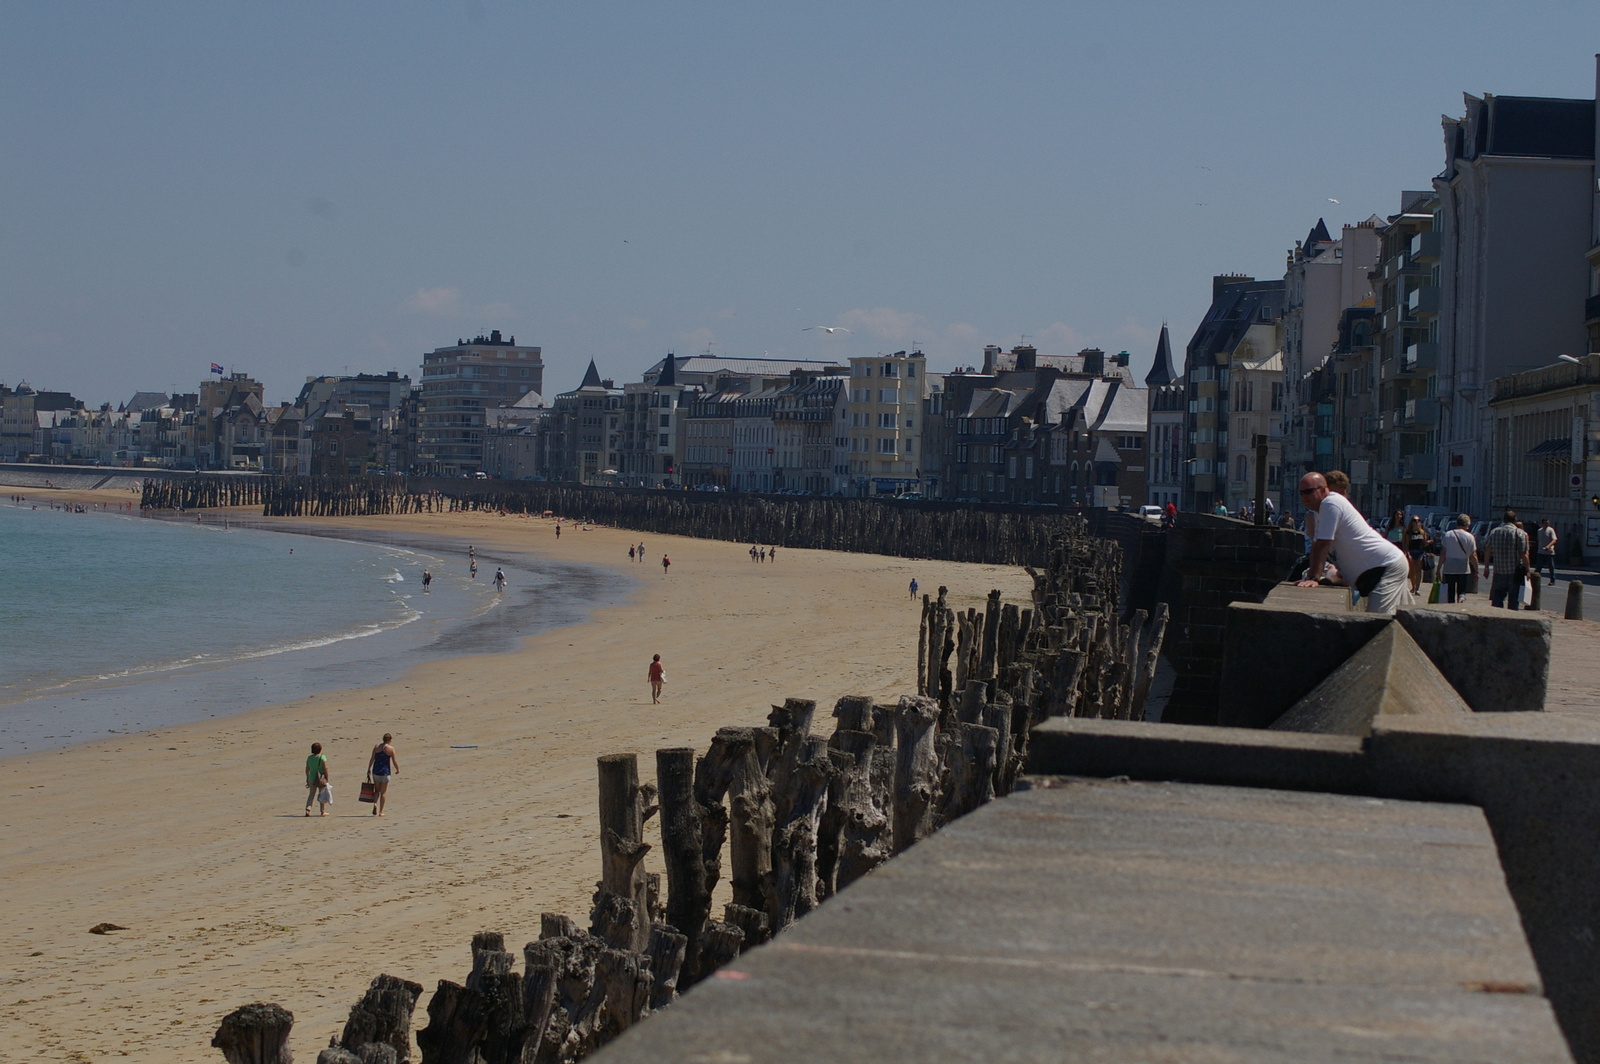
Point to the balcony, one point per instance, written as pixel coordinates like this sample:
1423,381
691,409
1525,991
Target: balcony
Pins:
1422,358
1424,466
1591,309
1424,300
1422,412
1425,247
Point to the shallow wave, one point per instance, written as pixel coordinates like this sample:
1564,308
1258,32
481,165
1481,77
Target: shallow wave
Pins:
242,654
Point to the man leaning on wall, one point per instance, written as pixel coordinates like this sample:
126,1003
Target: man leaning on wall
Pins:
1376,568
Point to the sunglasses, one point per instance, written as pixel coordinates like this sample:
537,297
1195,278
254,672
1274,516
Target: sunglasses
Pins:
1307,491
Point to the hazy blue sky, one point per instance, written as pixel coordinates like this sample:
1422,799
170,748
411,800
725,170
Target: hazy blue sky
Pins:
303,188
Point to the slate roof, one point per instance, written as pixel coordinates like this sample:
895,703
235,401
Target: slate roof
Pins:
591,377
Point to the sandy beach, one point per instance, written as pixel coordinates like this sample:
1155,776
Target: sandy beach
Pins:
193,838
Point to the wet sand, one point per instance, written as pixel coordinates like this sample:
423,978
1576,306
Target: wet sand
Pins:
193,837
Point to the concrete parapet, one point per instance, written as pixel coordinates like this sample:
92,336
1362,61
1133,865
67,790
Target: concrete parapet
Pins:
1390,675
1498,660
1274,655
1535,776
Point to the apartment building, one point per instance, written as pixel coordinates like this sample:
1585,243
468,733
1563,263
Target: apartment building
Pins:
885,409
1322,276
1242,326
1405,342
1517,236
458,384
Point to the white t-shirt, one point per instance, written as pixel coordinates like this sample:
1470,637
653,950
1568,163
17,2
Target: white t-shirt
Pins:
1459,546
1358,545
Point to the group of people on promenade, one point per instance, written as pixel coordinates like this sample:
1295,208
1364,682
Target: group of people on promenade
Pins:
1386,568
382,763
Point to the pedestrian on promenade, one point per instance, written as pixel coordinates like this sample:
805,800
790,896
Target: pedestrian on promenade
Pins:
1374,567
658,676
1458,559
1395,530
382,764
499,579
666,563
913,587
317,787
1416,545
1547,550
1507,548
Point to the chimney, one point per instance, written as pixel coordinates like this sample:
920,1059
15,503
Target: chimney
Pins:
991,355
1094,361
1027,358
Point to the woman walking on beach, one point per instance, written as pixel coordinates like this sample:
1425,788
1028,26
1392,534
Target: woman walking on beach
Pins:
317,789
658,676
380,766
666,563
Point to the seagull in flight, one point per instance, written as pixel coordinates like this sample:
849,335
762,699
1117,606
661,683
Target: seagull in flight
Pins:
829,329
1332,200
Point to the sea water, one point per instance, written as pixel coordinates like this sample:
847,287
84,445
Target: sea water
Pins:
113,623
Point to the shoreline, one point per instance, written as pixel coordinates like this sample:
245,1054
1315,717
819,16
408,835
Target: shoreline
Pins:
192,837
149,695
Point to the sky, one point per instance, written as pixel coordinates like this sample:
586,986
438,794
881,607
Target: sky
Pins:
292,189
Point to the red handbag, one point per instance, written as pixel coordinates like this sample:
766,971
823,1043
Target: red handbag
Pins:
368,793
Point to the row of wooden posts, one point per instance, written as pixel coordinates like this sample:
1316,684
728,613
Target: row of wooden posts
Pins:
196,492
802,817
929,530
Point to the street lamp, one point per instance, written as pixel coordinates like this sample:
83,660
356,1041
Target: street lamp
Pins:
1569,358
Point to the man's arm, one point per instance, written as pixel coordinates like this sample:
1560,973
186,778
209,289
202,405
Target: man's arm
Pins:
1319,558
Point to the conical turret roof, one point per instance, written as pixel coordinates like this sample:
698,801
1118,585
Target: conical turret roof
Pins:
591,376
1161,372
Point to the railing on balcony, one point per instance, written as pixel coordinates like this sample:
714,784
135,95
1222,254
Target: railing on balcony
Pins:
1425,247
1423,300
1422,357
1422,411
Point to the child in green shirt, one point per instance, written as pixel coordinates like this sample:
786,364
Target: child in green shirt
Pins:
317,789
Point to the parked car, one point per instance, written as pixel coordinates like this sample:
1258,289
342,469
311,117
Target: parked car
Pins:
1151,514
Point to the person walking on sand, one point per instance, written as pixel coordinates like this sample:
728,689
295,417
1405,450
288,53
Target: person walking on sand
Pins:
641,551
383,763
658,676
317,787
427,578
913,587
630,552
558,530
499,579
666,563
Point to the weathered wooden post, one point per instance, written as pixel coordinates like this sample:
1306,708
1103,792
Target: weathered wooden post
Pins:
682,846
255,1034
383,1015
622,848
916,782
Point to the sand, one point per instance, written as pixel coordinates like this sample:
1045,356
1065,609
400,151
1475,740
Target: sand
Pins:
193,838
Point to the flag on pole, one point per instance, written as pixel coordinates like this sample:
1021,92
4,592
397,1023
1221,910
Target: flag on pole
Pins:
216,369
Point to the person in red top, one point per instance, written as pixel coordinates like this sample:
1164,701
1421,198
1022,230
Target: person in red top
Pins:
666,563
658,676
